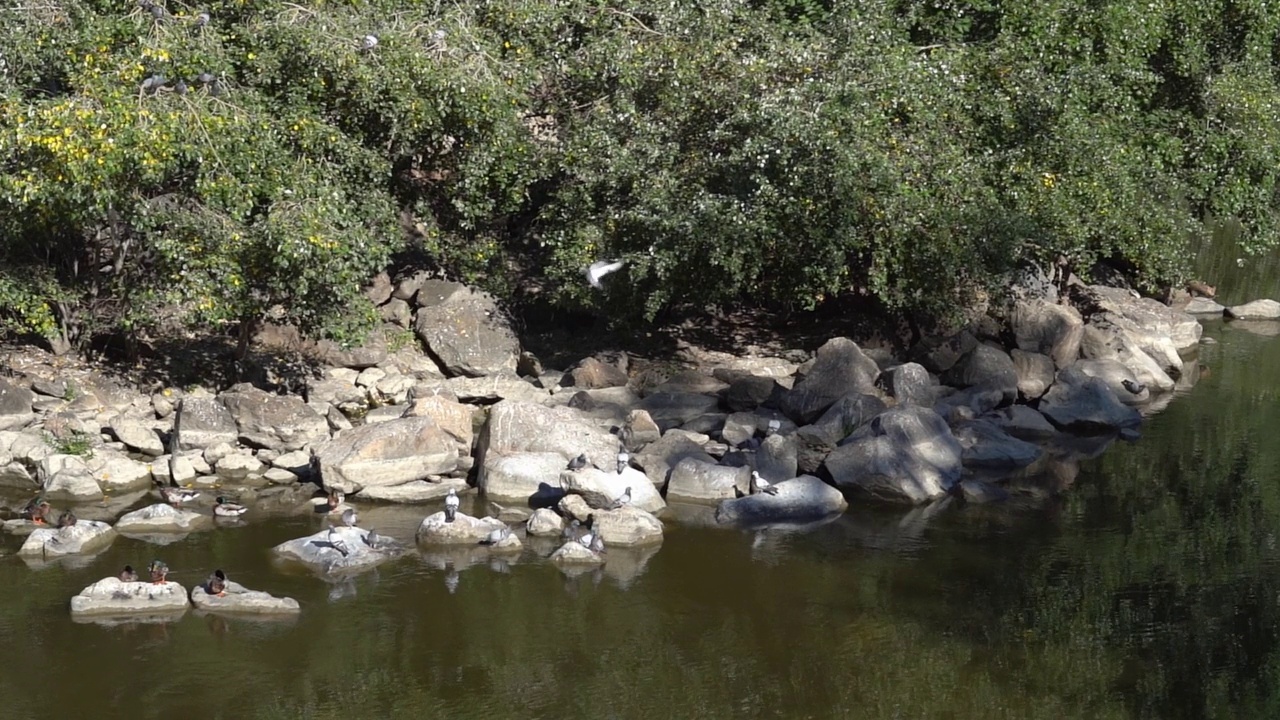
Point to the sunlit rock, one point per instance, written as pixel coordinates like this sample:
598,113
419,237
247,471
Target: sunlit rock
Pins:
110,596
163,518
239,599
85,537
798,499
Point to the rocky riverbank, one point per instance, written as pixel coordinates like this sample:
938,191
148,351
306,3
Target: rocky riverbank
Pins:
1003,410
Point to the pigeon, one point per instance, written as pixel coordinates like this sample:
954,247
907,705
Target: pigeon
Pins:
202,19
205,78
451,503
335,542
497,536
624,459
368,42
349,517
597,543
1133,386
773,428
600,268
589,534
623,499
372,538
156,11
760,485
67,519
579,462
180,87
128,574
570,531
158,571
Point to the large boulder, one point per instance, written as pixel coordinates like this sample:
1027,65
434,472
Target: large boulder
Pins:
68,477
601,487
386,453
415,491
15,406
278,422
465,330
905,454
464,530
111,596
319,554
985,367
1083,404
694,481
776,460
657,458
452,416
627,526
523,477
1118,377
83,538
133,433
162,518
1255,310
1105,341
909,383
1047,328
1154,318
116,473
845,416
521,427
594,373
839,368
240,600
1127,333
673,409
205,422
987,445
798,499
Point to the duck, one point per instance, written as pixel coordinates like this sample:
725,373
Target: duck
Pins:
623,499
37,511
578,463
217,583
571,530
67,519
624,459
336,542
128,574
372,538
498,536
451,504
349,517
760,485
226,508
177,496
159,572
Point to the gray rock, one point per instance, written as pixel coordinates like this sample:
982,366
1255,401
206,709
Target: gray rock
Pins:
494,388
544,522
15,406
1256,310
297,462
939,354
1103,341
987,445
848,414
693,382
339,390
985,367
641,429
388,453
659,457
673,409
163,518
1024,423
369,353
464,530
1048,329
839,368
1118,377
398,312
279,422
693,481
133,433
743,426
116,473
238,466
519,427
416,491
69,478
594,373
601,487
625,527
800,499
522,477
1158,345
316,552
1203,306
205,422
110,596
384,413
1079,403
465,330
909,383
574,553
1035,371
906,454
83,538
241,600
751,391
776,460
1152,316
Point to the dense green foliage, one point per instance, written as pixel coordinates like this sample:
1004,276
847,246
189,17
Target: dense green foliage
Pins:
779,152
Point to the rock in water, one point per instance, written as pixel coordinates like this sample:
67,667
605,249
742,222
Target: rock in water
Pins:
110,596
86,536
239,599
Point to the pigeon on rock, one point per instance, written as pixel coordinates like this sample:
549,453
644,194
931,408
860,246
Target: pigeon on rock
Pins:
760,485
498,536
624,459
336,542
623,499
579,462
451,503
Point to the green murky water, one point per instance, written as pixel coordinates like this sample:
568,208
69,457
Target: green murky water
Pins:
1150,588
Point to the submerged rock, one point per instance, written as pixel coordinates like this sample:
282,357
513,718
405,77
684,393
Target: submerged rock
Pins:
162,518
239,599
799,499
85,537
110,596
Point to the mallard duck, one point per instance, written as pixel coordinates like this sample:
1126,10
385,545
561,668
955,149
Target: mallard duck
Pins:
760,485
159,571
624,459
623,499
128,574
217,583
177,496
451,504
226,508
498,536
579,462
37,511
336,542
349,517
67,519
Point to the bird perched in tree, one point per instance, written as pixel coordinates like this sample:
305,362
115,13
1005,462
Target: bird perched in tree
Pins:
158,571
368,42
205,78
623,499
226,508
498,536
349,517
451,504
579,462
202,19
67,519
180,87
336,542
624,459
760,485
128,574
597,270
217,583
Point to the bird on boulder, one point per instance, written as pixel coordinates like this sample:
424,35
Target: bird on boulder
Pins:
498,536
336,542
128,574
217,583
67,519
579,462
624,459
760,485
451,504
623,499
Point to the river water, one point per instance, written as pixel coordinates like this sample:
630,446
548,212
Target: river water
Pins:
1149,588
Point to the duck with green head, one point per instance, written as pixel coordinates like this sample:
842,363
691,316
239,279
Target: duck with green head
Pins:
226,508
159,572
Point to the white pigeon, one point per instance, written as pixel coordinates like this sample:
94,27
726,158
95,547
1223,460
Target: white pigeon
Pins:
497,536
760,485
598,269
624,459
774,427
451,504
336,542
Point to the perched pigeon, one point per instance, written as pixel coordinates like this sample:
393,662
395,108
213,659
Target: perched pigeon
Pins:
336,542
372,538
597,270
497,536
570,531
451,503
623,499
579,462
624,459
774,427
349,517
202,19
760,485
368,42
1133,386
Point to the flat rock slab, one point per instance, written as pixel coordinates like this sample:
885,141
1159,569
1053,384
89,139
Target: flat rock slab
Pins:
417,491
85,537
575,553
600,487
241,600
317,553
800,499
1256,310
163,518
110,596
387,453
